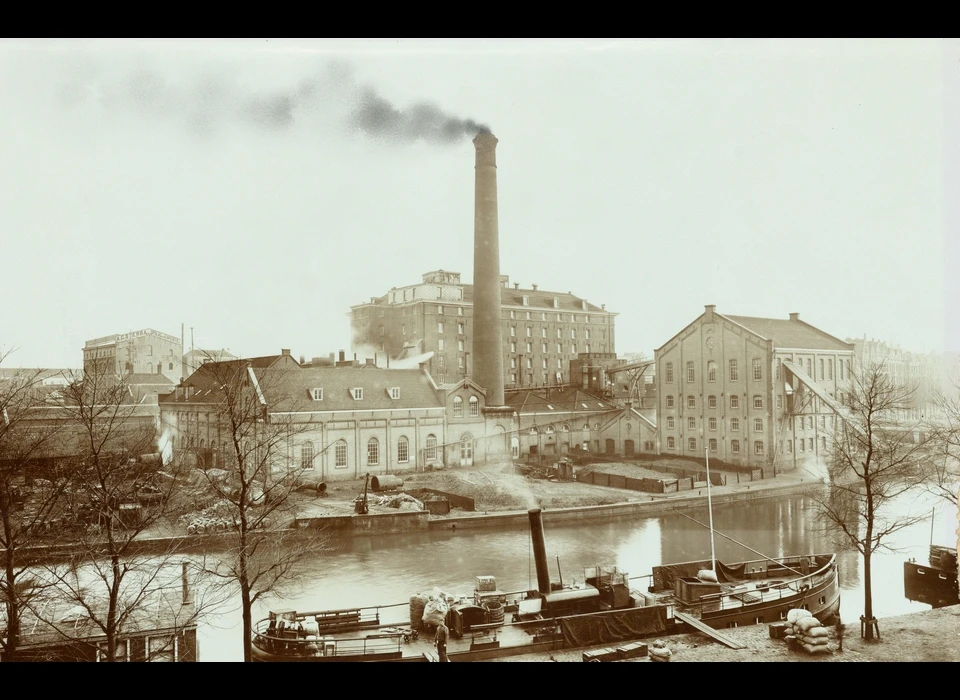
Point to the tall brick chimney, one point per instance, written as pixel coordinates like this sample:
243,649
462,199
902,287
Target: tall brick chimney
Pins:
487,328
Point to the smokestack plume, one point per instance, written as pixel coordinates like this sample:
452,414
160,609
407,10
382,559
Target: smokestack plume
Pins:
539,550
487,329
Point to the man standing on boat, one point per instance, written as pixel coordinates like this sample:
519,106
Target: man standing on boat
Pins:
442,640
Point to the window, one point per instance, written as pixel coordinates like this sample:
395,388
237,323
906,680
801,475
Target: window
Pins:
840,369
573,333
543,332
513,347
373,452
357,393
757,370
712,423
668,372
734,425
758,401
810,444
529,331
691,402
458,407
556,305
543,348
692,443
669,402
830,369
779,401
670,422
735,446
316,394
529,347
586,334
671,443
395,392
440,344
758,447
778,370
459,311
758,425
513,331
460,346
306,455
692,423
821,369
529,363
440,312
559,352
431,451
460,362
171,366
340,452
823,444
460,328
559,333
474,406
573,349
403,450
691,373
439,326
526,300
544,363
441,361
810,367
711,402
513,363
734,401
789,445
802,445
513,314
733,371
380,330
713,444
711,371
809,422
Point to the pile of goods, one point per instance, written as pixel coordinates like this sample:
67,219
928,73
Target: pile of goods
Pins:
805,631
401,500
219,517
428,610
659,651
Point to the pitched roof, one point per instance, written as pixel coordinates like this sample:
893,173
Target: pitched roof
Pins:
790,334
536,298
290,390
557,401
143,378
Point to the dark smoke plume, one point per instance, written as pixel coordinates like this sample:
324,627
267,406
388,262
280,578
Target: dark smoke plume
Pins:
424,121
215,99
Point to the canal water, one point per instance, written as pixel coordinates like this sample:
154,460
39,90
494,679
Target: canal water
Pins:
389,569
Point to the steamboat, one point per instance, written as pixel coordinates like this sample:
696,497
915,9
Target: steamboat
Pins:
599,608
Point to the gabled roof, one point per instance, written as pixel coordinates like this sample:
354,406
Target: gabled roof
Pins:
144,378
290,390
557,401
536,298
465,382
787,333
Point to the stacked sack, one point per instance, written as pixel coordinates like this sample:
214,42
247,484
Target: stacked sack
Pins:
435,609
659,651
806,631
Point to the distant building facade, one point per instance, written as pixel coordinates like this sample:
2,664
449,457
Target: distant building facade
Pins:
141,352
542,330
752,391
193,359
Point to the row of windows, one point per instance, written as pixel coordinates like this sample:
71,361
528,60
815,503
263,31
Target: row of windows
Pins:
307,453
544,347
804,445
733,372
560,317
714,446
712,424
458,406
734,401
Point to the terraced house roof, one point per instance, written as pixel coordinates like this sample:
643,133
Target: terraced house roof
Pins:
347,389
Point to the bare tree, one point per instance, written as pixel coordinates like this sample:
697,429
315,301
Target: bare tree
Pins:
876,459
31,487
252,471
117,498
944,474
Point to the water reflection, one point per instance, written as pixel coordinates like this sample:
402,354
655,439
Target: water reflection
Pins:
389,569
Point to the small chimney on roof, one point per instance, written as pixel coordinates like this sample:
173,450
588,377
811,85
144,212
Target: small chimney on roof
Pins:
285,352
534,287
794,317
708,310
343,356
302,358
516,285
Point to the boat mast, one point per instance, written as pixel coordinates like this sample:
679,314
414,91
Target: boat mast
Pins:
933,519
713,551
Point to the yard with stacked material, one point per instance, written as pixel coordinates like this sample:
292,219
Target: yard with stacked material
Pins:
929,635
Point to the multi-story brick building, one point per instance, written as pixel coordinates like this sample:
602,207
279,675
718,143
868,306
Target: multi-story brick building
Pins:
542,330
141,352
752,391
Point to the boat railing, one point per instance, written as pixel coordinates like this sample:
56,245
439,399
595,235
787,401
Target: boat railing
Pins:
774,591
368,645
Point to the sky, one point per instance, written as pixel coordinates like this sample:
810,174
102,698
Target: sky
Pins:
251,191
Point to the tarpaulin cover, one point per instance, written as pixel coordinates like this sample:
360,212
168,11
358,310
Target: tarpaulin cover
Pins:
613,626
665,576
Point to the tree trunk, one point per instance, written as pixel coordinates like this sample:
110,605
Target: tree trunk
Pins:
867,595
13,611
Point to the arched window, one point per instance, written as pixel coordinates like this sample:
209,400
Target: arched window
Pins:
306,455
457,407
149,368
403,450
534,431
341,453
549,430
373,452
431,447
565,428
474,406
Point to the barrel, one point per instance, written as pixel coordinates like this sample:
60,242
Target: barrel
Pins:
322,487
494,611
386,482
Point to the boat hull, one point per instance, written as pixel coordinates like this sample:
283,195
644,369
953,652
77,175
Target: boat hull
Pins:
930,585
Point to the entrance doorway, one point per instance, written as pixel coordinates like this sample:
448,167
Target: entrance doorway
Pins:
466,450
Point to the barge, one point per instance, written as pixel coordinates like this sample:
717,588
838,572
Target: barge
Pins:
935,583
